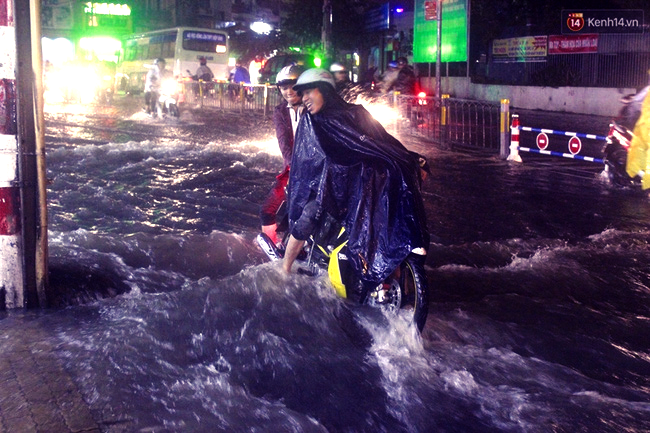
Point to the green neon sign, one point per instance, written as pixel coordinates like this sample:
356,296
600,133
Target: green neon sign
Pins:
107,9
454,31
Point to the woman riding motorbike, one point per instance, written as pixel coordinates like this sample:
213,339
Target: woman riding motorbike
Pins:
346,164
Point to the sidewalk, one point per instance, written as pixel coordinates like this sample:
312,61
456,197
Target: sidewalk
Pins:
36,393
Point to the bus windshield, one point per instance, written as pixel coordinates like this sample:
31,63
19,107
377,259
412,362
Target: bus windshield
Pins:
204,42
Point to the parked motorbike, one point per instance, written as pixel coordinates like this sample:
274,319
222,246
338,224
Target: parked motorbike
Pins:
326,252
167,100
619,137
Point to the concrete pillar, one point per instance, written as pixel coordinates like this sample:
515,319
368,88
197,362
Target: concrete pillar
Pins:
11,246
23,211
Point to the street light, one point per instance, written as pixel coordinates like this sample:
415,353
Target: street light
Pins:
261,27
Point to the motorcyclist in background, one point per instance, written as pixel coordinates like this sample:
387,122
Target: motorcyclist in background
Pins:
387,79
239,74
152,85
405,81
285,119
638,158
341,79
203,73
204,76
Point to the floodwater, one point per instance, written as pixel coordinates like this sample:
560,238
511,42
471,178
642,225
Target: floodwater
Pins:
539,307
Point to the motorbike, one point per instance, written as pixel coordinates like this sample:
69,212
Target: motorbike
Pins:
202,86
105,90
167,100
326,252
619,137
241,92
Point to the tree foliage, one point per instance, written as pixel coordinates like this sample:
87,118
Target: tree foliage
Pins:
304,22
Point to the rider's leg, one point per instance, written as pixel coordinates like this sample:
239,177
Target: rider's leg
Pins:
270,207
294,246
300,231
271,231
153,103
147,101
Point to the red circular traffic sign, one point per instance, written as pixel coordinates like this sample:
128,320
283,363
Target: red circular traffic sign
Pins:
542,140
574,145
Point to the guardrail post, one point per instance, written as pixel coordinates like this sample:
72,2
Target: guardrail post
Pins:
514,139
394,101
201,92
266,99
444,117
505,120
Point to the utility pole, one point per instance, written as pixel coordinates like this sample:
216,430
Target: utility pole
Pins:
23,216
438,48
326,35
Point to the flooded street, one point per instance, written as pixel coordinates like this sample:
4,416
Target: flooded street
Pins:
539,305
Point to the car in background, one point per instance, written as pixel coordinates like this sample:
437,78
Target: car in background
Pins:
276,63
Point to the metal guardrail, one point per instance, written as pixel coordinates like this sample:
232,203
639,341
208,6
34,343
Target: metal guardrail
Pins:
450,121
456,122
473,123
232,96
419,116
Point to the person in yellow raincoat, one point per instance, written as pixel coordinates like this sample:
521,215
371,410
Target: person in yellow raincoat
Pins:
638,157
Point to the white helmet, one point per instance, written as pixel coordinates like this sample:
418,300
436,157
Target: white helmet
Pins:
337,67
312,78
289,75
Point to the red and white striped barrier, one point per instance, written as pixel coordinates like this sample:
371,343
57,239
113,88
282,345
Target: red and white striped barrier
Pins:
514,139
11,264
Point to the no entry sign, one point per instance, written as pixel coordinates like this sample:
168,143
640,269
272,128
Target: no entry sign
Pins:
542,141
574,145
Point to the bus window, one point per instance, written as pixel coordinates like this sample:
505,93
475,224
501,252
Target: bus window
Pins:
130,52
168,49
143,51
155,50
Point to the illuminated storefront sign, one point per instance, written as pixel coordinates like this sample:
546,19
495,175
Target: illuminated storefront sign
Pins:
107,9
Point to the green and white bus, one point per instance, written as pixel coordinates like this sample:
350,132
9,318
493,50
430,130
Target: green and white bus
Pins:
181,47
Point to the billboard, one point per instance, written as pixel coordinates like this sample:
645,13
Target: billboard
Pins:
524,49
573,44
454,31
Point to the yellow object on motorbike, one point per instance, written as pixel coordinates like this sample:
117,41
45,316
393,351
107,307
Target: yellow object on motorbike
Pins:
334,271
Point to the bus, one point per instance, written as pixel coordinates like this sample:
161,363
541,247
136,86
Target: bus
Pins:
181,47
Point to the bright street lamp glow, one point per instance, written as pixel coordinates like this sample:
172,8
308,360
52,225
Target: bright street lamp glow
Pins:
261,28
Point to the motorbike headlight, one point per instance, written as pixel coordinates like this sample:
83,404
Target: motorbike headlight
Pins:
169,87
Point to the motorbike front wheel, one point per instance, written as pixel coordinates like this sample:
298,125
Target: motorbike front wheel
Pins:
415,290
405,289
